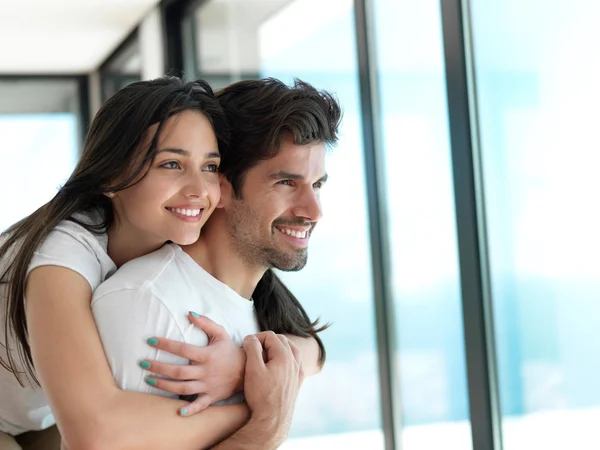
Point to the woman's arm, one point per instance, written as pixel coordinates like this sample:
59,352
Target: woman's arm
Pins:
91,411
218,367
310,354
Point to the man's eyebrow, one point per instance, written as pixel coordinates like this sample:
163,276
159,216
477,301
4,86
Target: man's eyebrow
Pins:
283,175
182,152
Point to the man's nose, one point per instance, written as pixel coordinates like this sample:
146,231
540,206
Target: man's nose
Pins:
309,206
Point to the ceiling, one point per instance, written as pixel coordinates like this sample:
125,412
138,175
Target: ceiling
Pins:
64,36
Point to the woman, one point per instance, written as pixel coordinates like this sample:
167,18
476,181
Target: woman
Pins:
126,198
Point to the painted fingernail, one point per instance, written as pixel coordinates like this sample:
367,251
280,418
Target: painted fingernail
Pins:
152,341
151,381
195,314
183,412
144,364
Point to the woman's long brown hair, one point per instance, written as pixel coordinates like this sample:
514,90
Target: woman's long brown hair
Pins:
110,162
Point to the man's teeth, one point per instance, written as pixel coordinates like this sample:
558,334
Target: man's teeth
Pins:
296,234
186,212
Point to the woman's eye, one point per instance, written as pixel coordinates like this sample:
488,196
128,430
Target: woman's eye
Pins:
211,168
171,165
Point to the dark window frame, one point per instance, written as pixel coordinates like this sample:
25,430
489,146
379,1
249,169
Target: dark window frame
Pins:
112,80
83,94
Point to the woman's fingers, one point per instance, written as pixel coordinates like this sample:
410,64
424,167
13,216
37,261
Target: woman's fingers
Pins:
176,387
202,402
187,351
174,371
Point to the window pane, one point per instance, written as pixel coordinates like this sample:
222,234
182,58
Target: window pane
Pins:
40,141
431,357
123,68
537,78
340,407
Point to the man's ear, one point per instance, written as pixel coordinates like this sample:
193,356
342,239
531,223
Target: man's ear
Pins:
226,192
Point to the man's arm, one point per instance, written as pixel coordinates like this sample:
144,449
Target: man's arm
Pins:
271,388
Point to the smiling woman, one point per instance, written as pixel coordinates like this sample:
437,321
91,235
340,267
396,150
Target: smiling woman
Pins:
177,192
151,150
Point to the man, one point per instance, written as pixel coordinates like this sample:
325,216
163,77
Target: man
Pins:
272,173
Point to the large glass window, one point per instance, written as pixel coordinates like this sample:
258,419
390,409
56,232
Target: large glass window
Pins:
426,282
40,128
123,67
314,41
537,81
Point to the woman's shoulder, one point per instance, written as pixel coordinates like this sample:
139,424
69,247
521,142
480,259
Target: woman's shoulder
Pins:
84,227
78,244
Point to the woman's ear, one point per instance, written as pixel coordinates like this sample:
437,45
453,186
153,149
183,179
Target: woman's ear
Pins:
110,194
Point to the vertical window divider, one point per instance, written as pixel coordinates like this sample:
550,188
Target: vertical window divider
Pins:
389,375
484,406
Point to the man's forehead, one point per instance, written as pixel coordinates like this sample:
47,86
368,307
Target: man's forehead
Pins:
298,156
299,161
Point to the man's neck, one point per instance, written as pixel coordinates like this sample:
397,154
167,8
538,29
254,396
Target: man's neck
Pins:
215,253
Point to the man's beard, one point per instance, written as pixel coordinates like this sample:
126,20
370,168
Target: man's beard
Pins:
243,223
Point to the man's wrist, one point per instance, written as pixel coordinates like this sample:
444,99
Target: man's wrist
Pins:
265,431
257,434
242,374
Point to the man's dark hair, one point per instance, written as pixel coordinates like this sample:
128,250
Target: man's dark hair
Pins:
261,113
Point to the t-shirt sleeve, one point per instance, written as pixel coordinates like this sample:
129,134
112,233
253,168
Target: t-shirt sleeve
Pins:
126,318
70,248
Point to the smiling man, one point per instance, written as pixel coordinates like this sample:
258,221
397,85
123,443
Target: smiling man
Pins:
272,173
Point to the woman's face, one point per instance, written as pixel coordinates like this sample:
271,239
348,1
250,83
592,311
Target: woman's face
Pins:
181,189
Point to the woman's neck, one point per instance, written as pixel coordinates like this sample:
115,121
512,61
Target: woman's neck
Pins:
124,245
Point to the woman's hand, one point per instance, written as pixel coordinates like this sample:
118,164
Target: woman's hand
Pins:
215,372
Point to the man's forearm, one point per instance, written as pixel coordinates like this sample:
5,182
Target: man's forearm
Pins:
255,435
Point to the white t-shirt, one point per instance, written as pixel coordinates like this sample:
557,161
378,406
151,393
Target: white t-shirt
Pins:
69,245
151,296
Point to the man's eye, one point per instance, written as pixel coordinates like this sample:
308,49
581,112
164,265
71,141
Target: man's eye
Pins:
171,165
211,168
318,185
286,182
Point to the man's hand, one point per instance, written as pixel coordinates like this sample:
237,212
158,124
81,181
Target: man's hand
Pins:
215,372
273,377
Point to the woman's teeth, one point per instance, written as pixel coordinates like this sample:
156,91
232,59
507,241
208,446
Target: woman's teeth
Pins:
185,212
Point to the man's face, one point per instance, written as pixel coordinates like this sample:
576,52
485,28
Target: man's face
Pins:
279,207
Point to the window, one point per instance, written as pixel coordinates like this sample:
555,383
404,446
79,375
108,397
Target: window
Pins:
235,40
422,223
40,124
538,96
123,67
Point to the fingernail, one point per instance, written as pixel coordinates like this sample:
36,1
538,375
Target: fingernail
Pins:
195,314
144,364
183,411
151,381
152,341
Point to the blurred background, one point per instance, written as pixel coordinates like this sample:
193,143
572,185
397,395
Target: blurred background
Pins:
458,257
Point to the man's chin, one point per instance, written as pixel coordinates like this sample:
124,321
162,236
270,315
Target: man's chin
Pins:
289,263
